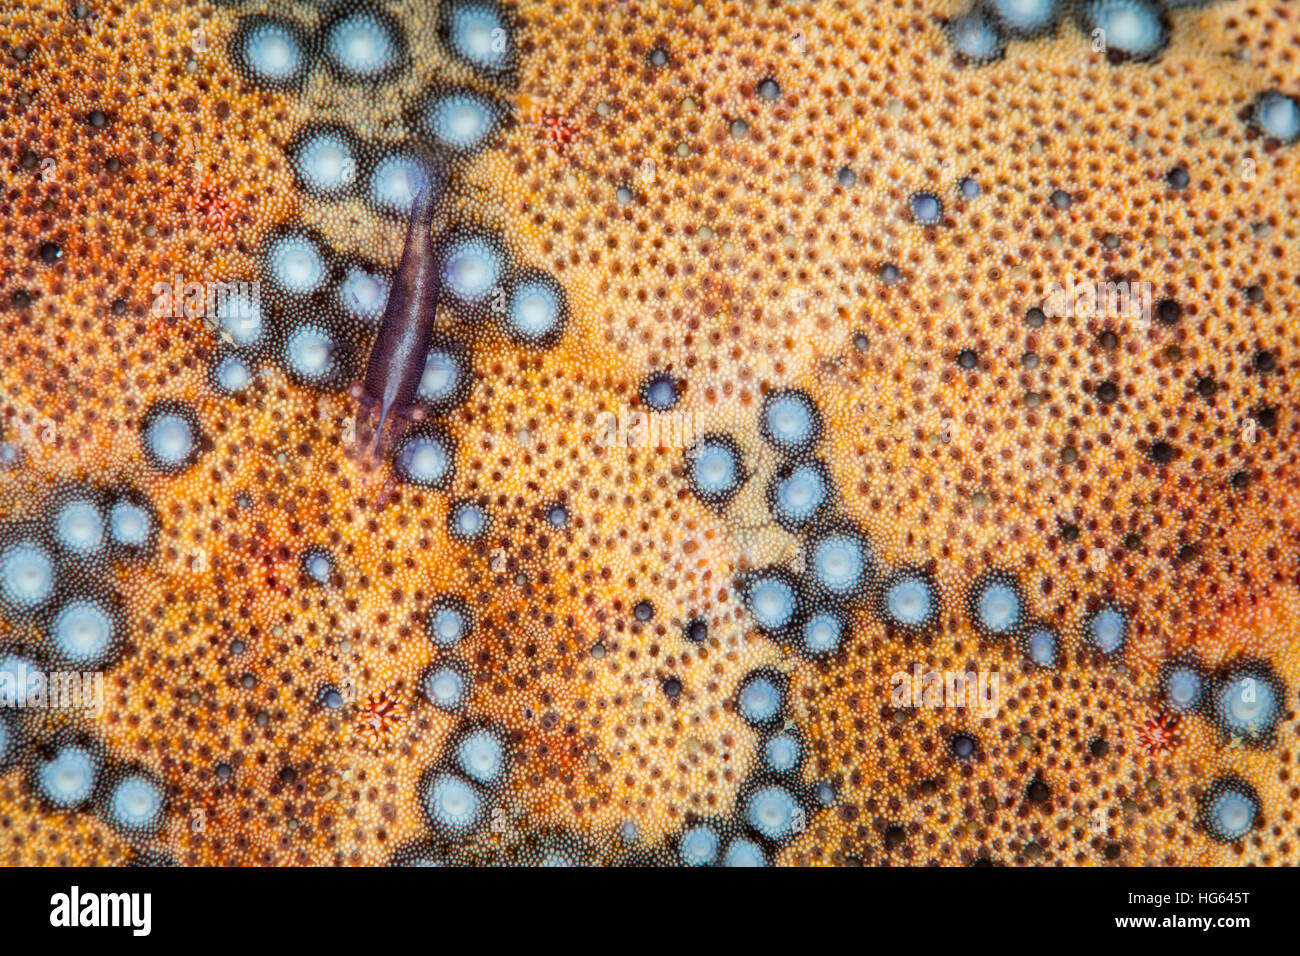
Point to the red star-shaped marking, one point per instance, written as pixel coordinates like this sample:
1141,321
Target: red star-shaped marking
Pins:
558,130
380,715
1159,734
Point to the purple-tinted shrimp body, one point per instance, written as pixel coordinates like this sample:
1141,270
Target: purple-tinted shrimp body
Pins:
397,359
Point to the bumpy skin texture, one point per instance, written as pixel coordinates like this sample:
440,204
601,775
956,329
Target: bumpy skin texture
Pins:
727,193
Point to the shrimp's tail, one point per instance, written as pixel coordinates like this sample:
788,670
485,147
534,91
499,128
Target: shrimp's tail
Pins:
372,441
370,447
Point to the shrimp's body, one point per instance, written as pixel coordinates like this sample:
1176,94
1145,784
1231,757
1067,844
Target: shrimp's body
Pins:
386,394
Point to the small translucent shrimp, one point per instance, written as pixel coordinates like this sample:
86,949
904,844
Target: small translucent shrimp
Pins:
386,395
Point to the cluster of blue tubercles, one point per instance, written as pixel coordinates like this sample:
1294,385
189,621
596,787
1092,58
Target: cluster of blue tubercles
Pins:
997,607
1245,700
481,282
768,815
446,682
56,572
71,772
774,804
1119,30
458,793
57,577
307,311
362,44
809,609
